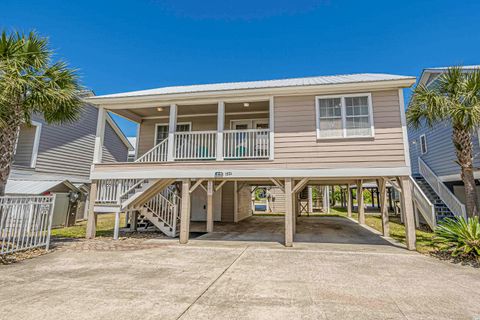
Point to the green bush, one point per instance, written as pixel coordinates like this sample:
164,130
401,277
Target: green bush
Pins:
460,237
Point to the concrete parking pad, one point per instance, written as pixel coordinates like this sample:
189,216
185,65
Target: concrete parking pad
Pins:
239,280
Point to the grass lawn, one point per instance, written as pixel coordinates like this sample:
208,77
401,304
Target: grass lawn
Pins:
397,230
105,224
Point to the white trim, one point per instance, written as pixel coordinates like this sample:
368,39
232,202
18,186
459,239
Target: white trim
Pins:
164,124
271,126
142,172
36,143
421,145
344,115
404,127
172,126
100,135
137,141
220,129
205,115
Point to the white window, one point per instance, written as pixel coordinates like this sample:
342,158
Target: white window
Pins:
423,144
344,116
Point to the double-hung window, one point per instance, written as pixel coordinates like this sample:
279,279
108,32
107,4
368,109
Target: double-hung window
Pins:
344,116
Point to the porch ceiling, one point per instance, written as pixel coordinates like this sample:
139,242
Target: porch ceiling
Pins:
255,106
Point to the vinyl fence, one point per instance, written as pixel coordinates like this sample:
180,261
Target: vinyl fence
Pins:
25,222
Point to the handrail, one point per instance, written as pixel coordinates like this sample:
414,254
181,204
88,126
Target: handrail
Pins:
426,206
132,188
442,191
246,144
195,145
156,154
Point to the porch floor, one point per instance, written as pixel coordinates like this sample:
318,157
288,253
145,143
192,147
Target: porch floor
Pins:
317,229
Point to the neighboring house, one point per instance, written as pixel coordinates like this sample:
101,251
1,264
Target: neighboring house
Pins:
433,158
58,158
202,148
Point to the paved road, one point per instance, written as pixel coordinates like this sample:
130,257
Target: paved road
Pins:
238,280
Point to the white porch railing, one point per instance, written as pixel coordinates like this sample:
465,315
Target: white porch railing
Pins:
165,206
156,154
25,222
442,191
195,145
246,144
110,191
425,206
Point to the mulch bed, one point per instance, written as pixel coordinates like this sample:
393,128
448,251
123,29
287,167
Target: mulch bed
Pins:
462,260
22,255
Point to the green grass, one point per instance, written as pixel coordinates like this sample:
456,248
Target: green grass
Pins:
105,224
425,242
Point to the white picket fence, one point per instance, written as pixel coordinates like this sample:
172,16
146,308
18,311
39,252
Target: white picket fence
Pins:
25,222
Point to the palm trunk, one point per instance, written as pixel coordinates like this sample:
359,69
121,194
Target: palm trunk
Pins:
8,137
462,141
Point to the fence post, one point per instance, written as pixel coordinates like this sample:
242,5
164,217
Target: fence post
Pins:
50,219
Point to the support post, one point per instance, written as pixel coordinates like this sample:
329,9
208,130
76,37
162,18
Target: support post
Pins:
235,201
172,127
382,187
326,199
92,215
210,206
349,201
185,213
220,128
99,136
116,229
133,221
310,199
361,207
289,216
407,208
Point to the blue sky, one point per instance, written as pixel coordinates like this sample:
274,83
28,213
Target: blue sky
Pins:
132,45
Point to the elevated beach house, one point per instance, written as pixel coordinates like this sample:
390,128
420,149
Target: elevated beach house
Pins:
201,148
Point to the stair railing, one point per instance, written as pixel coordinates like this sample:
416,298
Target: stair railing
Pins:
450,200
164,209
425,206
157,154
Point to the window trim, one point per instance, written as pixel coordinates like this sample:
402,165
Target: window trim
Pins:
344,115
166,125
421,148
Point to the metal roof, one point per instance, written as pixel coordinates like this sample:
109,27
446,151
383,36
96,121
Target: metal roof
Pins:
33,187
293,82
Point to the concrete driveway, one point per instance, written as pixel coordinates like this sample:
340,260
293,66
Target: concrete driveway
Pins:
160,279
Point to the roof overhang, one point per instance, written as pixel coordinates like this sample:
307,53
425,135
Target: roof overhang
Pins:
155,100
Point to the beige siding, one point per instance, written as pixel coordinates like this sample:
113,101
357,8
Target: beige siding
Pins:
244,203
227,202
296,145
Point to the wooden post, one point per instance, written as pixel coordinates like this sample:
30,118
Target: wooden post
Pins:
92,215
288,212
349,201
172,127
116,229
382,185
185,213
210,206
361,208
220,128
407,208
99,136
235,201
310,199
294,209
134,221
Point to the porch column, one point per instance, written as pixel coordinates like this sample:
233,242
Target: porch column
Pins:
210,206
407,208
310,199
220,128
326,199
382,187
361,208
289,216
235,201
92,215
133,220
271,126
349,201
100,134
185,213
172,127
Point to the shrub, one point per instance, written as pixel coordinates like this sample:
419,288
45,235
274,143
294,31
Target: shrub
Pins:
459,237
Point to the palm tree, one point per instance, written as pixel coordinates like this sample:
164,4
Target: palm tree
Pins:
31,83
454,100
